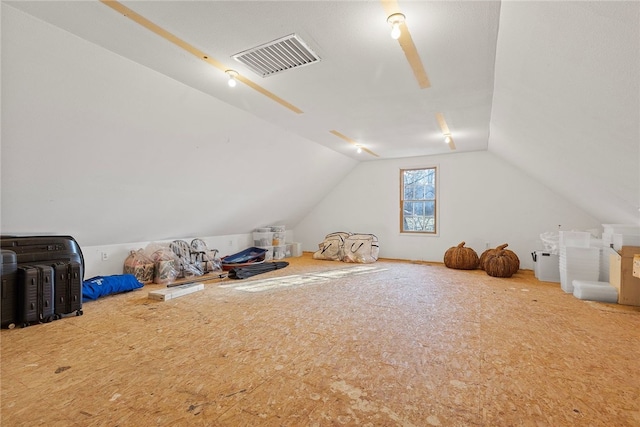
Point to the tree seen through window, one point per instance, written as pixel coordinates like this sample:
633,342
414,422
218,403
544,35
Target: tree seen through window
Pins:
418,200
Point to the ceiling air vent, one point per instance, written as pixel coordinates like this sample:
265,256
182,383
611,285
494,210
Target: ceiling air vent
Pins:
277,56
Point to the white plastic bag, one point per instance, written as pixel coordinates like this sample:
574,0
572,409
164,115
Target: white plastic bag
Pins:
551,242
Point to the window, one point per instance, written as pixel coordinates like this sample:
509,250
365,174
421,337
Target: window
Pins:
418,196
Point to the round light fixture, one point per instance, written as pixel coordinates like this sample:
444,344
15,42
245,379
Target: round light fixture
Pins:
232,77
395,20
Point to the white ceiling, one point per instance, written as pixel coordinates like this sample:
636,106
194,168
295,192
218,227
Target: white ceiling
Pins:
552,87
363,87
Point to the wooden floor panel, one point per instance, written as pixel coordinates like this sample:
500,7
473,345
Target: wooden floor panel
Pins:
405,344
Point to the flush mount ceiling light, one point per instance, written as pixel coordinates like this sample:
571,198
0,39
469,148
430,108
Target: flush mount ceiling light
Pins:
395,20
446,133
359,147
232,77
128,13
449,141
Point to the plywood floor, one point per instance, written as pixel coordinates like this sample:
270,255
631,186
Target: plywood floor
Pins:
404,344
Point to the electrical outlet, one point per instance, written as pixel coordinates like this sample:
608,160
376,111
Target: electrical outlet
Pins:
230,243
105,256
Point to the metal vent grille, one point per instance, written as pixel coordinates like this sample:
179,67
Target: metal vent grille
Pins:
277,56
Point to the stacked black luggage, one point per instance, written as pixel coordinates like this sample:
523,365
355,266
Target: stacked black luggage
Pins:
41,279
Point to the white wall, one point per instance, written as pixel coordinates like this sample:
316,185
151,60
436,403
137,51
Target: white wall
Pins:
105,260
482,200
111,152
566,101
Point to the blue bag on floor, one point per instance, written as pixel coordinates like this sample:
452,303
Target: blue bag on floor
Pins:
99,286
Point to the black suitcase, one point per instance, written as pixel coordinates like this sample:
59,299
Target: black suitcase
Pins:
9,289
44,250
35,294
67,288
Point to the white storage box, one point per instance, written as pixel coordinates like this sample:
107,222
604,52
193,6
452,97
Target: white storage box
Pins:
296,249
279,252
268,256
578,264
546,266
576,239
620,240
262,239
278,238
595,291
630,229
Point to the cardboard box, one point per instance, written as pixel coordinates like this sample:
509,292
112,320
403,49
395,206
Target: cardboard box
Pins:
636,265
621,275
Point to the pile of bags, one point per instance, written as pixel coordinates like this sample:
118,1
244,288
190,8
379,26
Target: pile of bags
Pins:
348,247
165,262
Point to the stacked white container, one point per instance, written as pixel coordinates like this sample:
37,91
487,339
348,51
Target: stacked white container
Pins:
619,235
263,239
614,237
296,249
278,241
578,260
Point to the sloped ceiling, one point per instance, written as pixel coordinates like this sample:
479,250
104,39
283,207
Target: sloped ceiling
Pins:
363,86
566,103
550,86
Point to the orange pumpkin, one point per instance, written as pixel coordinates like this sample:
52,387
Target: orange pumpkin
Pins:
461,258
485,254
501,264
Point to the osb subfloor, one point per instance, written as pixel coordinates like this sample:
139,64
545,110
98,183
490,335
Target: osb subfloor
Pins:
408,344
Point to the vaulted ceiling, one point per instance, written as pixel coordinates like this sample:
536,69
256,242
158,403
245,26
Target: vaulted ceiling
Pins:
551,87
363,88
